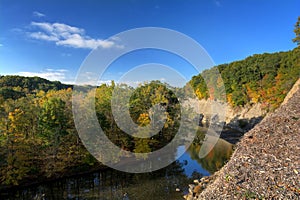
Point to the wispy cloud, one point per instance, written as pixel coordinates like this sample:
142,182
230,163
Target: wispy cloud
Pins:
38,14
43,36
90,78
217,3
66,35
66,54
50,74
63,76
1,45
133,84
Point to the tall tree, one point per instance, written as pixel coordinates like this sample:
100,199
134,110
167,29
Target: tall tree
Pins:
52,127
297,32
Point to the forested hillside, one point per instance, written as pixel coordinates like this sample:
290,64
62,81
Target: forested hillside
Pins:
264,78
15,87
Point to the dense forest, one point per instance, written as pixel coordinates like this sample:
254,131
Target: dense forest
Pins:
38,138
264,78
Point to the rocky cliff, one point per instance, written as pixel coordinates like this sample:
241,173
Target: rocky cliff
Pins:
241,118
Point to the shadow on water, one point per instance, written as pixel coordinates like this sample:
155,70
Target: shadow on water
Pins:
113,184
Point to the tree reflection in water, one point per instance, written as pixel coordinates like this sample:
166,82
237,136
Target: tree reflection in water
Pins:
215,159
112,184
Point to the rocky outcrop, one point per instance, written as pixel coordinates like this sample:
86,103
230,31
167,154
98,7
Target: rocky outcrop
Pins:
240,119
197,187
266,162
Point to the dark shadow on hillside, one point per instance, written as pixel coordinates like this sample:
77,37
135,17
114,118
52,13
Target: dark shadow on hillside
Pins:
236,128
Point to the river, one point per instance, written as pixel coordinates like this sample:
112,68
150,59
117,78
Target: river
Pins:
113,184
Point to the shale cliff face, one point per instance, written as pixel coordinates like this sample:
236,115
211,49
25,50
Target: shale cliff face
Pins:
266,162
241,119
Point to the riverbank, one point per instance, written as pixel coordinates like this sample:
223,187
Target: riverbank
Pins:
266,162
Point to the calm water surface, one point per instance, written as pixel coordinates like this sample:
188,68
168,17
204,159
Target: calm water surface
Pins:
112,184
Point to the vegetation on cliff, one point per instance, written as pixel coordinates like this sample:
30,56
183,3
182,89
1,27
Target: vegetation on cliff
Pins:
264,78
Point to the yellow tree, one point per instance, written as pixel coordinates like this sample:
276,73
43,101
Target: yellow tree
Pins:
18,148
142,144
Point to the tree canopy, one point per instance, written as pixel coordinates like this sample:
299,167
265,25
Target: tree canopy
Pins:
264,78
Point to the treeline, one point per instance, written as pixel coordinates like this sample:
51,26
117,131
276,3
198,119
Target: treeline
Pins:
38,138
264,78
14,87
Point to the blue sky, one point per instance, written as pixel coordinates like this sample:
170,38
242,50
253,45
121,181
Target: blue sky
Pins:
51,39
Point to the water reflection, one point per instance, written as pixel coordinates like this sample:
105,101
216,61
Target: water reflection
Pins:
112,184
215,158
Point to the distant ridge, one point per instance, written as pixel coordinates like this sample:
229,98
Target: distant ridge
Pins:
13,86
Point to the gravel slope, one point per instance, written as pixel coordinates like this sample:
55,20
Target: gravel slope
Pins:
266,162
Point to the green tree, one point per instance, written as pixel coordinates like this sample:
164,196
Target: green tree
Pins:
297,32
52,128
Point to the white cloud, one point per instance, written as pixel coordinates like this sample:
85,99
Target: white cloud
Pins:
43,36
49,74
56,70
38,14
133,84
77,41
57,28
70,36
64,76
90,78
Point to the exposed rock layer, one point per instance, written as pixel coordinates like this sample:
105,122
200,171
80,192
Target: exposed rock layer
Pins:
241,118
